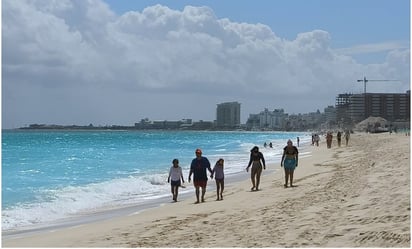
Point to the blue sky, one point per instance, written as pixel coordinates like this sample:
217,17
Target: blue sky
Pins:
349,22
117,61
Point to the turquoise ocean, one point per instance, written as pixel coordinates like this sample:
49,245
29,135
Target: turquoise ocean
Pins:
49,176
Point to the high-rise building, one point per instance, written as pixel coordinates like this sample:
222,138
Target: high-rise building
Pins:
228,115
330,114
357,107
342,108
271,120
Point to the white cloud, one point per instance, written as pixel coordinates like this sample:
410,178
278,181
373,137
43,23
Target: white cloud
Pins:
373,48
146,64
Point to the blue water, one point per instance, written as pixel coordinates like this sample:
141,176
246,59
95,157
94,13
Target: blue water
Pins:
51,175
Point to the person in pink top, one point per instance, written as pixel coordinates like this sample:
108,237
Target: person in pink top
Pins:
219,178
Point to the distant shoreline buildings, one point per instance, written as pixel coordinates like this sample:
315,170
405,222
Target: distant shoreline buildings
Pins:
349,109
357,107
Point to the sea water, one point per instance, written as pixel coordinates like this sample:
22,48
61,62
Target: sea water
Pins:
53,175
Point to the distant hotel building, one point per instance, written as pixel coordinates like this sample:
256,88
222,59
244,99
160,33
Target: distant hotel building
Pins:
273,120
228,115
330,114
270,120
278,120
357,107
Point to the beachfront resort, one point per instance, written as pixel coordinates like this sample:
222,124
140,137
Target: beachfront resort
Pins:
349,110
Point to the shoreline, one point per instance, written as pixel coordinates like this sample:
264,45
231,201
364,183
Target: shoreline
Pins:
345,197
106,213
115,211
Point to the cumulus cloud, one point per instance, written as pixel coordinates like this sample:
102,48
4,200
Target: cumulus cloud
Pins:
373,48
78,62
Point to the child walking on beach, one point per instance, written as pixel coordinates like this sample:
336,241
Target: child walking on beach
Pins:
219,178
175,174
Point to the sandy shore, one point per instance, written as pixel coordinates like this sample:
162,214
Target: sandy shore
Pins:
354,196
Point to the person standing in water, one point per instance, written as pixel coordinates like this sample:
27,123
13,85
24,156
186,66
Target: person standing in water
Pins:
219,178
289,162
198,169
256,160
175,174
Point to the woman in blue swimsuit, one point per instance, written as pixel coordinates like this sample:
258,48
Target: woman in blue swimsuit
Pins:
289,162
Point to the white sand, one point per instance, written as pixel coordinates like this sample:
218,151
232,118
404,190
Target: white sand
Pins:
355,196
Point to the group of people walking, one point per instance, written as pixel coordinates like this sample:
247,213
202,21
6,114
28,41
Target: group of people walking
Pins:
200,165
329,138
198,168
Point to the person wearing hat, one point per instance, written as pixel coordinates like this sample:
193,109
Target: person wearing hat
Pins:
256,160
198,169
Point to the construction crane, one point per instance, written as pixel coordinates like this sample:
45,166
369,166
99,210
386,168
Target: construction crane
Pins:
365,80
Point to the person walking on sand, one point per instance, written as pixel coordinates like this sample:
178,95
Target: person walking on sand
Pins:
317,138
219,178
289,162
347,136
339,137
329,138
256,160
198,169
175,174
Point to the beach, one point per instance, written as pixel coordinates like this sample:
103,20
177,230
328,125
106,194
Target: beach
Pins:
349,196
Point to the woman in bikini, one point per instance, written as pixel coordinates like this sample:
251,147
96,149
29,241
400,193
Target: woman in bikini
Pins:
289,162
258,160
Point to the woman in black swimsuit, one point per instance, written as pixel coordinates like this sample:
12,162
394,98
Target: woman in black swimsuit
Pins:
258,160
